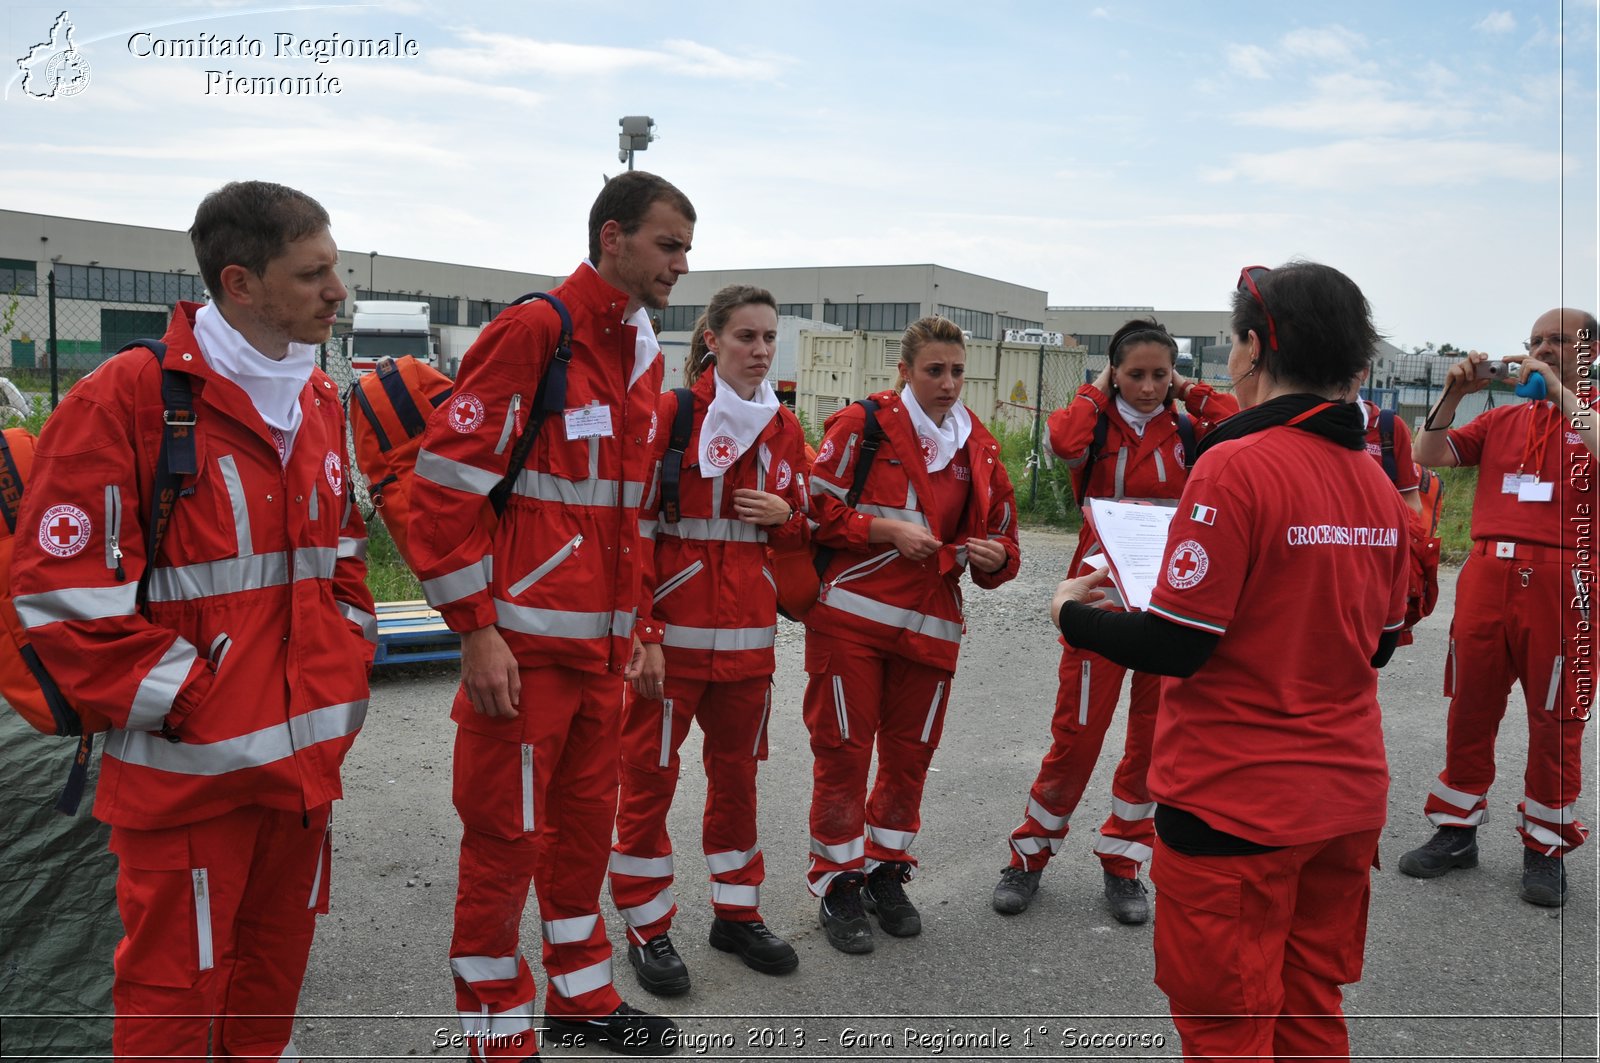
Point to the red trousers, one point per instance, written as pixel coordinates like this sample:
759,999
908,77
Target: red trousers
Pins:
218,917
1515,621
1086,700
535,812
858,696
1251,950
733,717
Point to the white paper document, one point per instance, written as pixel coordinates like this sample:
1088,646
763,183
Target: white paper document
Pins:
1134,538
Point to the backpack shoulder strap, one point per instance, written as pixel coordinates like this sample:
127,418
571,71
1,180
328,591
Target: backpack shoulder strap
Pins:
1386,435
871,439
672,464
1186,437
10,501
1102,424
175,460
550,398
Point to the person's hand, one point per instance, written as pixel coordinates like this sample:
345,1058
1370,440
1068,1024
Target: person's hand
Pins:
1082,589
1180,385
914,542
489,673
1531,365
1463,376
651,678
986,555
759,507
1102,383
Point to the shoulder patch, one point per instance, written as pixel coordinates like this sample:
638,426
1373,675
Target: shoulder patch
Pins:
64,530
1187,565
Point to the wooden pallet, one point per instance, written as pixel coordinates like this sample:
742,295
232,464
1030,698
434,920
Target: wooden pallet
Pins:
411,633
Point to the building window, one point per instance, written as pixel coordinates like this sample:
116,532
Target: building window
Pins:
1096,346
118,328
872,317
1018,323
975,322
18,276
483,311
794,309
105,284
442,309
681,318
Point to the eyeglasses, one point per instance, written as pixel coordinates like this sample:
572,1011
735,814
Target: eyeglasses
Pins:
1533,343
1247,283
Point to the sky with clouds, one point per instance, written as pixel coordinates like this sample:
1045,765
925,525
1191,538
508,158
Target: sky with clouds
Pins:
1441,152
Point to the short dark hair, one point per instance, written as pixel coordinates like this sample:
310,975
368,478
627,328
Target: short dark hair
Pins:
250,223
1141,330
715,318
1323,324
626,199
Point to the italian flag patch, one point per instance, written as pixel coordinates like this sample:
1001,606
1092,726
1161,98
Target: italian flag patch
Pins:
1202,514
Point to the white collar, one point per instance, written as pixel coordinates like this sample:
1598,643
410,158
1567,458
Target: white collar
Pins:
939,442
273,385
645,344
1134,419
732,425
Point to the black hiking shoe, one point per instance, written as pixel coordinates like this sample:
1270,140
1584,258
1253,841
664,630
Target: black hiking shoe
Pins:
627,1030
885,896
759,948
1544,879
1015,890
843,918
1450,847
658,966
1130,903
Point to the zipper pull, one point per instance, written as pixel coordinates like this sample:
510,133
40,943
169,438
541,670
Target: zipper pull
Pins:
200,883
116,553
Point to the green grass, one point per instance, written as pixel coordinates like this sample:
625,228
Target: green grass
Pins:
388,577
1455,521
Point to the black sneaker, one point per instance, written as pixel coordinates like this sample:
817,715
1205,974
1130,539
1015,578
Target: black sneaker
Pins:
658,967
627,1030
885,896
1544,879
1015,890
843,918
1450,847
1129,902
759,948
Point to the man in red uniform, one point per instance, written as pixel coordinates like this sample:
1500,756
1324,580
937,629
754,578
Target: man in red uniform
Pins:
545,603
236,691
1522,605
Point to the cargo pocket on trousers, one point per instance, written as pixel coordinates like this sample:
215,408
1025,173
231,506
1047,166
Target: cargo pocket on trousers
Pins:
827,712
166,906
1198,953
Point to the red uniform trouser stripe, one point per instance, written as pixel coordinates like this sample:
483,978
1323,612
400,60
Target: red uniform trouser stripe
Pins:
1512,620
1089,687
570,720
731,717
1251,951
857,697
218,918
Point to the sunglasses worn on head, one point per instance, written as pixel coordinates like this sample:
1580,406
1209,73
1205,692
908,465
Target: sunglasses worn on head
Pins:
1247,283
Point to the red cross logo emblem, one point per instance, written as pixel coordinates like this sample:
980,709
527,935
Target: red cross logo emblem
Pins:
1188,565
722,451
466,413
64,530
785,475
655,422
334,471
930,449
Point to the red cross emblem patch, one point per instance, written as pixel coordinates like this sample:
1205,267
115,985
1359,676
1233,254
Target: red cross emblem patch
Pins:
64,530
930,449
722,451
466,413
785,474
655,422
334,471
1188,565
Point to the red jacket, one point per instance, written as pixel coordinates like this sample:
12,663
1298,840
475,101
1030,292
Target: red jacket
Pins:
560,573
1130,466
870,593
709,595
254,645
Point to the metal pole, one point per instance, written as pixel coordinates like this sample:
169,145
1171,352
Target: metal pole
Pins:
1038,414
55,362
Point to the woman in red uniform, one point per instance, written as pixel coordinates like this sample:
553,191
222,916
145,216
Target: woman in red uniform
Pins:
1282,590
707,620
1123,437
882,639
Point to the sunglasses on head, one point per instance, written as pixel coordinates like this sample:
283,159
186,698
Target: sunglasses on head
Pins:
1247,283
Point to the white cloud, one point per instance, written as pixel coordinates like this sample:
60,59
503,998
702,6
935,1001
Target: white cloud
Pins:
1496,22
1249,60
1332,44
1347,103
1099,12
496,54
1392,162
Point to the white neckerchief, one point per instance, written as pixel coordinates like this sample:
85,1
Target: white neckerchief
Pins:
1134,419
274,386
939,442
645,344
732,425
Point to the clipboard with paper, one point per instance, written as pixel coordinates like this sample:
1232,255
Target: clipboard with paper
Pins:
1133,541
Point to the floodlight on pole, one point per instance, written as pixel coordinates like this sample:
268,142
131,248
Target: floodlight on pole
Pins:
637,133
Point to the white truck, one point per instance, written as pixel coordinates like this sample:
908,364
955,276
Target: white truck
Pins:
383,329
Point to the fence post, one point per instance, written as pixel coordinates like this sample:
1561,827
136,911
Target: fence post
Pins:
1038,456
55,361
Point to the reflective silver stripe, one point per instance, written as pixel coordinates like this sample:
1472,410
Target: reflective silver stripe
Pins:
1546,814
231,575
1031,846
911,495
594,454
315,562
558,624
867,567
641,866
202,918
819,888
547,567
911,515
962,557
455,474
891,839
464,582
583,980
114,525
1130,811
322,857
1121,483
678,580
717,485
547,487
933,711
1450,819
266,746
1046,818
768,576
1458,798
349,504
1083,693
894,616
839,709
160,686
571,930
352,547
713,529
484,968
651,910
647,530
290,1053
732,860
241,512
1541,834
527,787
311,510
1161,465
735,896
842,852
844,455
1122,847
666,733
76,603
510,425
825,487
1555,683
362,619
1005,520
498,1024
718,639
761,728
